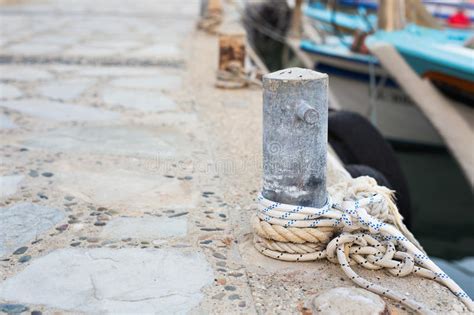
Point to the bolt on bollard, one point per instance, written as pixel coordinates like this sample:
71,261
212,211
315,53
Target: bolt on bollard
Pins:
295,129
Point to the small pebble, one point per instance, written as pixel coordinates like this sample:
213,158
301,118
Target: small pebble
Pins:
188,177
103,217
20,250
74,244
42,196
178,214
236,274
47,174
218,296
92,239
33,173
230,288
242,304
63,227
206,242
24,259
219,256
13,308
100,223
212,229
234,297
36,313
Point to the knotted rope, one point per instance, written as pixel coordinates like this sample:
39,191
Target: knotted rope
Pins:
359,224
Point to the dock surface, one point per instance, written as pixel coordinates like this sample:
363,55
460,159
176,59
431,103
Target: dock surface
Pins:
128,179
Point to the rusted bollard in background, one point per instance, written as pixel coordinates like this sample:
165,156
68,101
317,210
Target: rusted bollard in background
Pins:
231,72
211,15
295,122
231,51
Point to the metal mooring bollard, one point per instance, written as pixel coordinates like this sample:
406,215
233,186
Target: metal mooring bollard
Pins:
295,129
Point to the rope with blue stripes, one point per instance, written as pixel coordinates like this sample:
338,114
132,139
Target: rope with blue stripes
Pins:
297,233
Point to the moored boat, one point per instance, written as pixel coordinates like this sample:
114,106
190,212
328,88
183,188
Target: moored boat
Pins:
441,9
362,85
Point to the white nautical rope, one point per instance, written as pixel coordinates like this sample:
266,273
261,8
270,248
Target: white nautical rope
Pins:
297,233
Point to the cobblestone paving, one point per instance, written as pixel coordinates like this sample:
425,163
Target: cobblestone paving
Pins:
100,212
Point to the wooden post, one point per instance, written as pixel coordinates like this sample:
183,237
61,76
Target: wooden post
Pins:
214,7
296,20
391,15
211,15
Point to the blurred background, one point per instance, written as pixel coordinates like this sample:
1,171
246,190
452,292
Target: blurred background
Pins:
416,147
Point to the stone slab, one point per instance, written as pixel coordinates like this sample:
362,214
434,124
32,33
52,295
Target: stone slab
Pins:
126,190
161,81
57,111
116,71
90,51
22,223
65,89
353,301
9,91
148,101
22,73
9,185
162,50
6,122
114,140
111,281
33,49
147,228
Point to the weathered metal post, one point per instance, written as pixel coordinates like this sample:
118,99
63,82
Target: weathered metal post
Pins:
295,120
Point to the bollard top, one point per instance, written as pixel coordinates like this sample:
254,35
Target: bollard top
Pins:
295,74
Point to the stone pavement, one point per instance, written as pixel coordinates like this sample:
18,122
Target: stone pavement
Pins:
97,197
127,180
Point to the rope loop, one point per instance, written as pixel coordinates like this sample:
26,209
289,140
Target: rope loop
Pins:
362,229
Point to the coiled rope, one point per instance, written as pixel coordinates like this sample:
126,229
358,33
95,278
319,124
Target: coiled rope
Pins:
360,225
